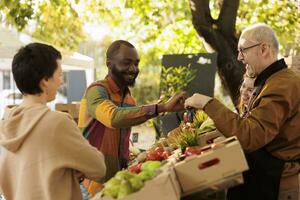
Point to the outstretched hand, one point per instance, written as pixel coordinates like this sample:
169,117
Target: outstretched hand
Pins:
174,104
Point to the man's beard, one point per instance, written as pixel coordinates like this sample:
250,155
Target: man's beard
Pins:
121,76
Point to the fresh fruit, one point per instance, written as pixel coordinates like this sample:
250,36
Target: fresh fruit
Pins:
112,187
123,184
192,151
207,125
124,175
146,175
157,154
152,155
199,118
125,189
188,138
135,168
136,183
151,166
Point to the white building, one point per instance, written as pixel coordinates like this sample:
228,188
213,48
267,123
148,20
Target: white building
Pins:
74,64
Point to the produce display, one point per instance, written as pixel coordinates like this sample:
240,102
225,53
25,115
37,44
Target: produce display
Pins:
190,131
159,153
196,131
126,182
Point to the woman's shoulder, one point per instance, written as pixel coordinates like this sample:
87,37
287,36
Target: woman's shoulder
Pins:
59,116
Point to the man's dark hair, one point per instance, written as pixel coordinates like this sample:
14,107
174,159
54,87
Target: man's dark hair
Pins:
115,46
31,64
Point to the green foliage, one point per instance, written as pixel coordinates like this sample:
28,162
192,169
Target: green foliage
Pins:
155,27
17,13
54,21
175,79
146,89
283,16
62,18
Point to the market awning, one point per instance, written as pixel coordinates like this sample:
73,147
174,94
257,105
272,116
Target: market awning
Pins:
11,41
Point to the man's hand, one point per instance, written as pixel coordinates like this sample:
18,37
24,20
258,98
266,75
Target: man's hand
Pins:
174,104
197,101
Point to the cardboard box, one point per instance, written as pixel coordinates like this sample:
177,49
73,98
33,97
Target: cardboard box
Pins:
217,163
222,184
208,137
71,108
163,187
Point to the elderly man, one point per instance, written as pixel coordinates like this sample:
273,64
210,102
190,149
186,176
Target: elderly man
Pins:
110,110
270,133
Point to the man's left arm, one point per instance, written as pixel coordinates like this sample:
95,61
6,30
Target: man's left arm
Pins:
258,129
107,112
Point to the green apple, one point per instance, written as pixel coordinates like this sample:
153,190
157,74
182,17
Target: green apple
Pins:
136,183
111,187
125,189
151,166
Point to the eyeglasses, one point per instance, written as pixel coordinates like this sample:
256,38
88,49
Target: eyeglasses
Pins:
242,50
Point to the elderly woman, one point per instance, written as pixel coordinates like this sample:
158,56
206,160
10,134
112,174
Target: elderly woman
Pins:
44,153
246,92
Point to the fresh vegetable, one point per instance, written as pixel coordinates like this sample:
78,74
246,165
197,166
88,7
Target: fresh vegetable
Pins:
192,151
135,168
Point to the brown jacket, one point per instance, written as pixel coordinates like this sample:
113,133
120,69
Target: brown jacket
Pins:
41,151
274,119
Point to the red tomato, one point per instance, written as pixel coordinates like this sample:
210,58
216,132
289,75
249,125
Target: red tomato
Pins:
135,168
192,151
152,155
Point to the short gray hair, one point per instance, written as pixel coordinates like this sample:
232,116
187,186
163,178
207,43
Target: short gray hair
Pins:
261,32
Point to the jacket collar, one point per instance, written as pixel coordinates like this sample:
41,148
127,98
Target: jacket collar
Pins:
272,69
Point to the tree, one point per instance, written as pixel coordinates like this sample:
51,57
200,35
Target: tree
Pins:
55,21
155,27
164,27
159,27
218,28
